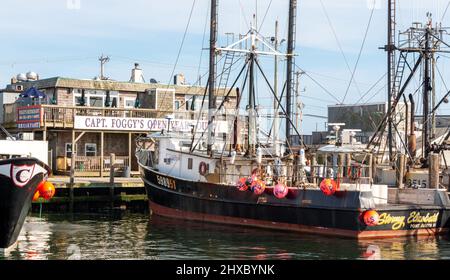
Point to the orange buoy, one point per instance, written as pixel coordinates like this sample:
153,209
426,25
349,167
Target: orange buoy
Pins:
47,191
258,187
280,190
371,218
242,184
40,186
36,196
328,186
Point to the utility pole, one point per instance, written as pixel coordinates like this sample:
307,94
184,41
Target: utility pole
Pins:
212,74
290,65
103,60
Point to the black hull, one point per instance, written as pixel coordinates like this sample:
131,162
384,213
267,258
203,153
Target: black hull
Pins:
302,210
16,194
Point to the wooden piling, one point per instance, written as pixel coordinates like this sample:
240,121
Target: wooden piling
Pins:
369,163
433,171
72,181
374,165
112,162
400,170
313,169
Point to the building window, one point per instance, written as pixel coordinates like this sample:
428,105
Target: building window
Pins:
190,163
68,150
152,99
128,102
96,101
95,98
90,149
177,105
79,101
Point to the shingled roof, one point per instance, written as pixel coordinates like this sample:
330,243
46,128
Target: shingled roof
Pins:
61,82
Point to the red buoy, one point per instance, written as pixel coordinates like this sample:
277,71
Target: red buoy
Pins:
258,187
371,218
280,190
328,186
242,184
47,191
36,196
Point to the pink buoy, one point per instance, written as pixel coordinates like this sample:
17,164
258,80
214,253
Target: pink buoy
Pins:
280,190
258,187
242,184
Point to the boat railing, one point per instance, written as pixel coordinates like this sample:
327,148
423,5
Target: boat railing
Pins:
298,175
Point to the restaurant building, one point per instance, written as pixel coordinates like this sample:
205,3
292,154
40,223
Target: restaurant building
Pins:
92,119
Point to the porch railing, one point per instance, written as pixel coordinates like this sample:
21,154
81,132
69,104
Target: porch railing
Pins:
93,164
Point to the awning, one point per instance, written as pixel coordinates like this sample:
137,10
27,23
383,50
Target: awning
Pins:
32,93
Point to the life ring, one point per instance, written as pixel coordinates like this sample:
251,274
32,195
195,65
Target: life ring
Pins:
202,168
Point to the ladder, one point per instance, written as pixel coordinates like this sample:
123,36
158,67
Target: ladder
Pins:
227,65
399,74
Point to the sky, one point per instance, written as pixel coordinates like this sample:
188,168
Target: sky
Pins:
66,37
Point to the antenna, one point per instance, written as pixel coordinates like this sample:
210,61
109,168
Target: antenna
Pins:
103,60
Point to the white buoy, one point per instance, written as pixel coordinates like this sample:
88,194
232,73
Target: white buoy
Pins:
302,157
233,157
259,155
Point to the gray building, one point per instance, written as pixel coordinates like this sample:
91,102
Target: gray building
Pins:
365,117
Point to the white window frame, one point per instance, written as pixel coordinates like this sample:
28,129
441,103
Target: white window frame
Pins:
125,99
76,93
85,149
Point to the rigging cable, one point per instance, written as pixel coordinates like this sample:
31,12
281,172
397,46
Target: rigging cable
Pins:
338,43
317,83
359,55
181,47
203,46
264,17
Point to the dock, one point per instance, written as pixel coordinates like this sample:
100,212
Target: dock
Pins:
95,194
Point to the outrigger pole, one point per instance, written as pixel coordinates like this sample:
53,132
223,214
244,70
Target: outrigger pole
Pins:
212,74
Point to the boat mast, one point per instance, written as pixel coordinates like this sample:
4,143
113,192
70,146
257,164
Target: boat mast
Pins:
390,48
275,88
252,137
290,64
212,74
426,92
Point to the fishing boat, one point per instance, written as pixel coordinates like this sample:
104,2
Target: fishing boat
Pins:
242,178
20,177
19,180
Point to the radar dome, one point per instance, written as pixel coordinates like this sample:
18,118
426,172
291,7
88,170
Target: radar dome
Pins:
32,76
21,77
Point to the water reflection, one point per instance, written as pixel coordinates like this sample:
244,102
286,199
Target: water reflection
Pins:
135,236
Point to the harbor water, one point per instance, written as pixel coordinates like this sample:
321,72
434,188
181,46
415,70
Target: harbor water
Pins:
136,236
